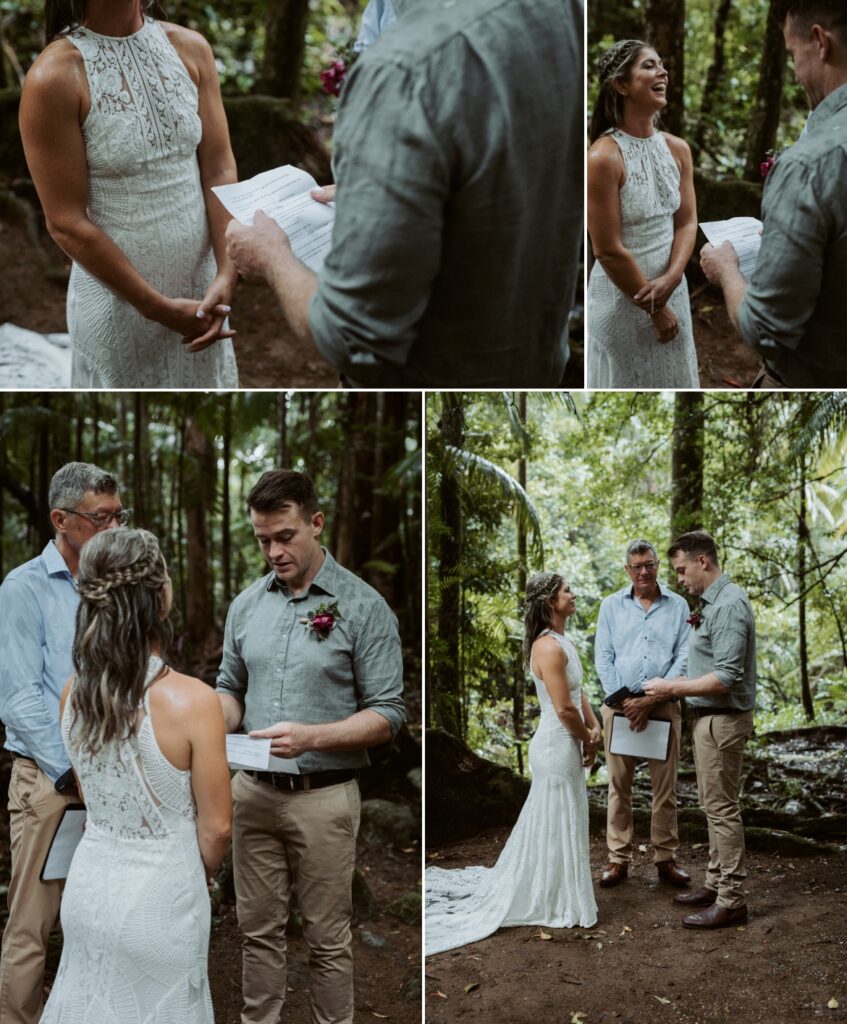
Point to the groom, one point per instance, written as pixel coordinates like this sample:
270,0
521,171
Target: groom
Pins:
311,660
458,156
721,693
792,310
38,603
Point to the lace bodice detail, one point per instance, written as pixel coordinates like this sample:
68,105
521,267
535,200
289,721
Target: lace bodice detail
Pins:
573,673
131,790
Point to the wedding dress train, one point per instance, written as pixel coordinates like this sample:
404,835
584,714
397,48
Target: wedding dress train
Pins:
543,875
135,911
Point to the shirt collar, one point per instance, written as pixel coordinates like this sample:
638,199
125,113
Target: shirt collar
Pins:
828,106
630,591
326,580
712,591
56,565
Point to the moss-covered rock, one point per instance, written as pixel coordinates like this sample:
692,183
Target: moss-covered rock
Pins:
720,200
406,907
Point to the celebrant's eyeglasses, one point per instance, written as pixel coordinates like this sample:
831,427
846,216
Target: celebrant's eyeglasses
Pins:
101,519
644,567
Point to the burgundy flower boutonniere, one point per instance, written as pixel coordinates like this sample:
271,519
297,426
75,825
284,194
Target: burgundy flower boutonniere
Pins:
334,77
322,620
695,619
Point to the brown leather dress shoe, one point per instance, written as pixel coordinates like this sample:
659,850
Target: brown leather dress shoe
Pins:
699,898
669,872
717,917
613,875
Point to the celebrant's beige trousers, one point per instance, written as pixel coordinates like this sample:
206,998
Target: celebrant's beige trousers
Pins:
664,836
719,742
35,809
306,841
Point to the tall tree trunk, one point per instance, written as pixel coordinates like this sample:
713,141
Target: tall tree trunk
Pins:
802,540
761,135
714,77
519,684
95,428
45,527
687,463
3,471
199,499
446,677
665,21
282,409
344,526
285,44
139,450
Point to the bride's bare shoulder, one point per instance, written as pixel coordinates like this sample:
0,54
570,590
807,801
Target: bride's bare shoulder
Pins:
605,160
679,147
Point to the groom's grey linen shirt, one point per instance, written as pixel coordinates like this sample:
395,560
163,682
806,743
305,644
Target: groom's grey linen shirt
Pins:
281,671
459,163
725,643
796,296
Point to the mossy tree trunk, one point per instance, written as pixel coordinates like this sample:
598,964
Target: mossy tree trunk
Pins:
765,119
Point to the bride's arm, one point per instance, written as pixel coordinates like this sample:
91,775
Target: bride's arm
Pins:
53,106
217,167
551,664
210,777
605,178
658,291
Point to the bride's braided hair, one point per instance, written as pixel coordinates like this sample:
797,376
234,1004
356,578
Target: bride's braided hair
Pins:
63,16
540,589
614,65
122,587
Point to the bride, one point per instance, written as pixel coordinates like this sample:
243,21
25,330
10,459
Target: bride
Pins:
125,134
148,747
642,219
542,876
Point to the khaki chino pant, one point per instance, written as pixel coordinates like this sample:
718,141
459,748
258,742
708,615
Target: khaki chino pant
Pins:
664,836
284,840
35,809
719,742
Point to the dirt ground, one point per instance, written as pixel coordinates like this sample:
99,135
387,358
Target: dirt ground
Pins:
723,359
638,964
267,355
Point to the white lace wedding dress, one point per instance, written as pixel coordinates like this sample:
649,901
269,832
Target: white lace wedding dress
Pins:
543,875
141,137
135,911
623,350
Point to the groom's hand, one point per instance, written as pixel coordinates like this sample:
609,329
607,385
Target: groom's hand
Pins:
255,248
717,262
288,739
659,689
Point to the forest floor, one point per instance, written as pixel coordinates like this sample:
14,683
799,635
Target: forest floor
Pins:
723,359
267,355
638,964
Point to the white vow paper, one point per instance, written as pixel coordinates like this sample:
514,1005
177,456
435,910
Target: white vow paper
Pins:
65,841
283,194
243,751
745,233
651,742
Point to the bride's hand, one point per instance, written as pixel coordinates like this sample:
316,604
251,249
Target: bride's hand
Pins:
665,324
180,316
655,294
214,308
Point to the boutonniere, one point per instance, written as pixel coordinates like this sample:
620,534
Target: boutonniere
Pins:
334,77
322,620
767,165
695,619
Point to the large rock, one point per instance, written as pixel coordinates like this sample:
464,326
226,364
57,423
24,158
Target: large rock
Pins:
388,823
466,794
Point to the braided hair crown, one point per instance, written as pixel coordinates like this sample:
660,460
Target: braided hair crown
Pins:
120,558
613,65
540,590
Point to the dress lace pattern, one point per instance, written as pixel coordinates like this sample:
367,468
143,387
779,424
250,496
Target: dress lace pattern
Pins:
623,350
135,911
543,875
141,136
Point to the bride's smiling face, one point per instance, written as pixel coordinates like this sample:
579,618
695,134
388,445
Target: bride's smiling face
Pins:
564,603
647,84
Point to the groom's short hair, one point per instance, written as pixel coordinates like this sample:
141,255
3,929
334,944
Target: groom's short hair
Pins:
279,488
829,14
697,542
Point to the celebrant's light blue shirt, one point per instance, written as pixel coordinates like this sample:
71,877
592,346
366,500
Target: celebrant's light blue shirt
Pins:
379,15
38,603
633,645
281,671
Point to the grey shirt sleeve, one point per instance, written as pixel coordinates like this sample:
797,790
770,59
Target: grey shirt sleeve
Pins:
783,292
378,666
393,182
679,666
729,629
232,675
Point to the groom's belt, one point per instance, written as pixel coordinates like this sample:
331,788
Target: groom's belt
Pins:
702,712
317,780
